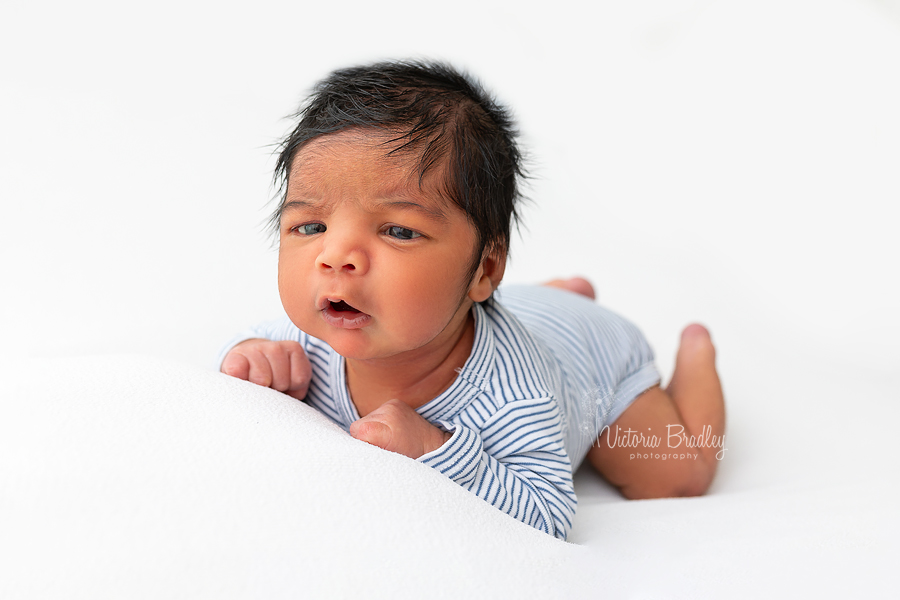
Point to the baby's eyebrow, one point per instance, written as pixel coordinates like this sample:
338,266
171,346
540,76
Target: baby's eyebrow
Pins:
432,212
300,205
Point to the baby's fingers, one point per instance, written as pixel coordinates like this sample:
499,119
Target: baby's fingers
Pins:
277,366
372,432
260,369
236,365
301,373
280,365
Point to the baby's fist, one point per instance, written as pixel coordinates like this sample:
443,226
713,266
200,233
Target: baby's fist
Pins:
396,427
282,366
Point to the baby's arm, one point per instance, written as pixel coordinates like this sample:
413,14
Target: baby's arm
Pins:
517,460
280,365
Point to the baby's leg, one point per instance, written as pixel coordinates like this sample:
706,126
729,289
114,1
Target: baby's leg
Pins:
692,406
579,285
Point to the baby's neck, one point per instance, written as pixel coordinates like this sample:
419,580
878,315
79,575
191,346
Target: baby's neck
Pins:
414,379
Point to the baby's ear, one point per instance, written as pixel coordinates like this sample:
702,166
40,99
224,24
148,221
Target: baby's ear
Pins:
488,276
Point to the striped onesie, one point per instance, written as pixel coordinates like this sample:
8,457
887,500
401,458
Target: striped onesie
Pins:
548,370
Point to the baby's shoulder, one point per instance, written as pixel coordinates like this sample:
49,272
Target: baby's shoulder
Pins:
565,320
509,361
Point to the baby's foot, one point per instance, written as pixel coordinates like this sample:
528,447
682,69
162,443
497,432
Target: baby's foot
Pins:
695,365
578,285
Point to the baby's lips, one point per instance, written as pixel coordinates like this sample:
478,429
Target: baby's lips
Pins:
343,306
327,302
335,301
345,319
335,304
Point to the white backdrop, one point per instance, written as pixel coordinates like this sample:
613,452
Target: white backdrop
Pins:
729,162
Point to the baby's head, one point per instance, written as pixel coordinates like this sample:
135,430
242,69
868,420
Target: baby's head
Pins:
440,120
400,189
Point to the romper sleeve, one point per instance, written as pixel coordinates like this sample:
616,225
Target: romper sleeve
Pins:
516,462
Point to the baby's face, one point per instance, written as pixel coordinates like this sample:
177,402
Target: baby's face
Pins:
370,262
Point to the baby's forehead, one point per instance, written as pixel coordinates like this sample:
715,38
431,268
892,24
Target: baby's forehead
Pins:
374,145
374,160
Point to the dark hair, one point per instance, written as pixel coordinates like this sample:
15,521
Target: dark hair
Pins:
427,107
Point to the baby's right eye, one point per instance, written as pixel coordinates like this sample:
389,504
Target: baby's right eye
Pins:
310,228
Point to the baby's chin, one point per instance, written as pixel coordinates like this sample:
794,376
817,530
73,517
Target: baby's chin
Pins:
355,343
367,339
360,345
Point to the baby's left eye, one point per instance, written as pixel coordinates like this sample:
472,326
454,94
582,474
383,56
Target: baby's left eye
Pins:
402,233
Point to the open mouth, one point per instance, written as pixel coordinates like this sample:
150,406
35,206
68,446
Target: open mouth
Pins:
339,313
342,306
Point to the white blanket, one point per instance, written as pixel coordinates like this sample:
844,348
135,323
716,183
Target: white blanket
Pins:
137,477
130,476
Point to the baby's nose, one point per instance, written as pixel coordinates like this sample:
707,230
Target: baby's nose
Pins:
343,256
348,266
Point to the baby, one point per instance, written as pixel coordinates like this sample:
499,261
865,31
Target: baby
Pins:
400,186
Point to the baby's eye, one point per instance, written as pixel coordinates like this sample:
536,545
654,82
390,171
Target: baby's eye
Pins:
402,233
310,228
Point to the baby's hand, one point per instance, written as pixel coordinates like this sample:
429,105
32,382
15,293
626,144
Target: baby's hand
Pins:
282,366
396,427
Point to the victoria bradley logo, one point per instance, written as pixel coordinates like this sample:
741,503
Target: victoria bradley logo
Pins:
679,444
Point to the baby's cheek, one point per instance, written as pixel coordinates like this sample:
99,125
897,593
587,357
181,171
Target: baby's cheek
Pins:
299,308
